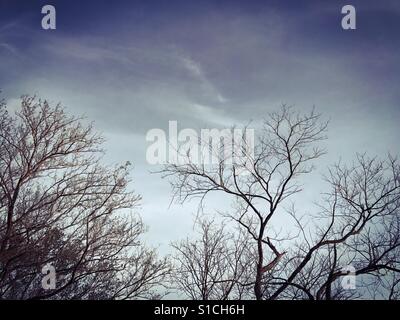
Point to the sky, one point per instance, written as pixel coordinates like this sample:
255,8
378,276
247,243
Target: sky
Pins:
131,66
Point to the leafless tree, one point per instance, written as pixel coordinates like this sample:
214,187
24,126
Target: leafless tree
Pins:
214,265
357,224
60,206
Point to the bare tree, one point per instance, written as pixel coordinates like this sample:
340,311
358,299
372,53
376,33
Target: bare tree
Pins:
214,265
357,226
59,206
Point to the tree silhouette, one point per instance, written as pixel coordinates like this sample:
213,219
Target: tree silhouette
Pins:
356,225
214,265
60,206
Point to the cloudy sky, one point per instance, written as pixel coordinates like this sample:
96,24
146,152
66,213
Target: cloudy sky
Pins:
135,65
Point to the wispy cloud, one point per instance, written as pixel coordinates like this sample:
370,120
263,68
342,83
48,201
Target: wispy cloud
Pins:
195,70
8,48
223,65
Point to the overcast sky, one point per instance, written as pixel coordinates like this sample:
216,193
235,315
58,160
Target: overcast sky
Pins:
135,65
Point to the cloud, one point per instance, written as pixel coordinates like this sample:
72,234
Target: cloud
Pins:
193,67
196,71
8,48
218,67
212,115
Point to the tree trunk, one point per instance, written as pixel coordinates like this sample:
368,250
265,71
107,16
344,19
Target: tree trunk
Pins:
257,284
